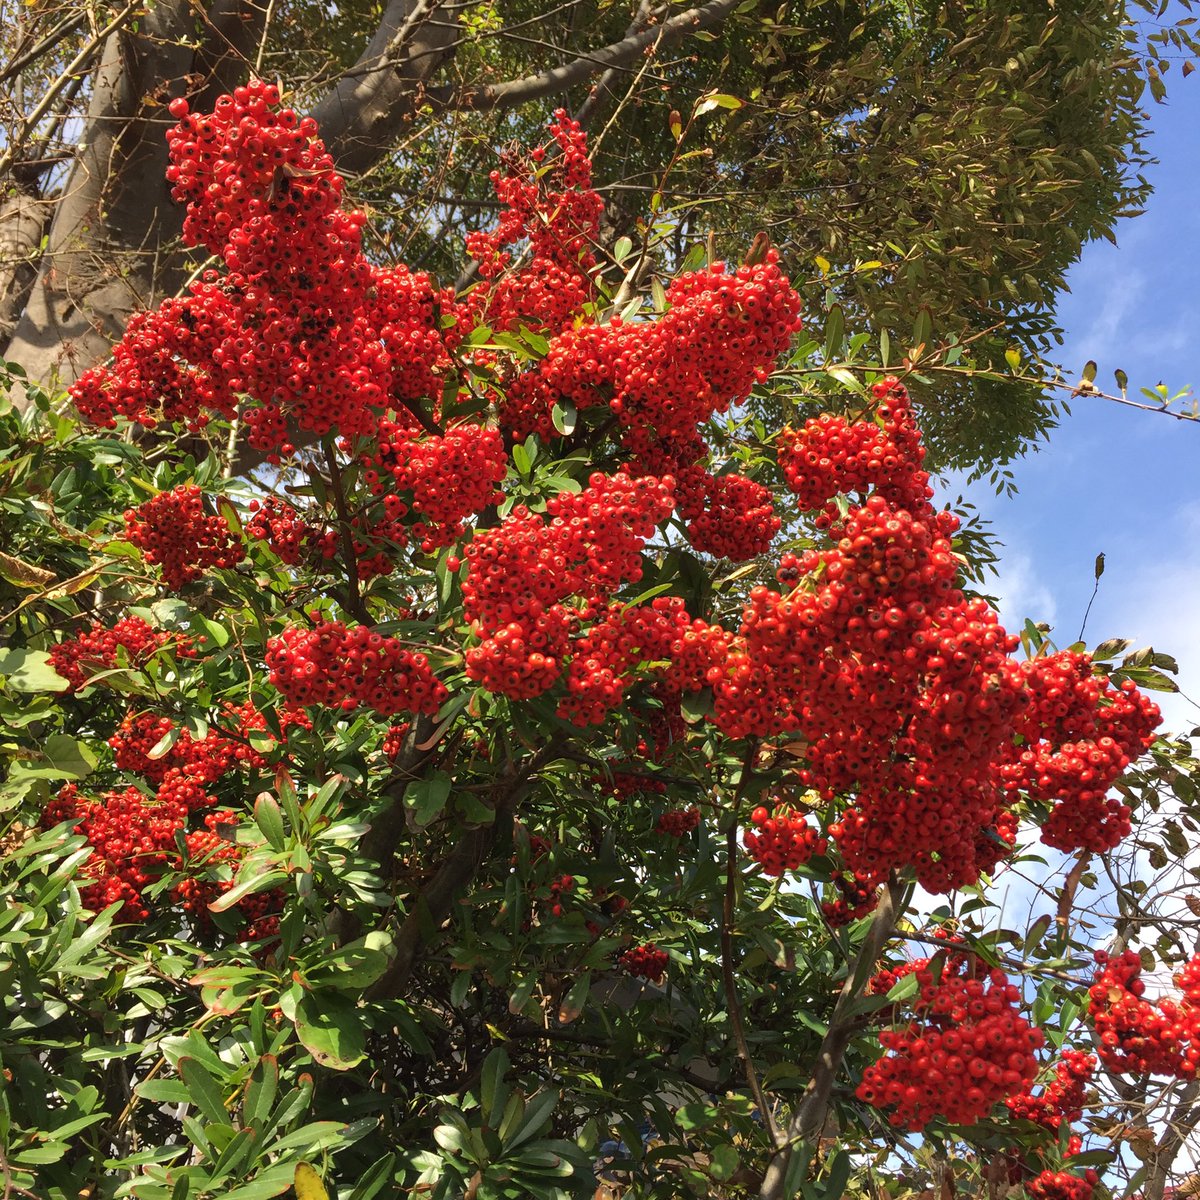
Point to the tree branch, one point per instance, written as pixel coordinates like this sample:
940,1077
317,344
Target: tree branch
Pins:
354,602
809,1118
435,902
732,1003
585,66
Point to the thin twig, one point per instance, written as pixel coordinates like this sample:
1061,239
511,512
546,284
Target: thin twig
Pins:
354,600
43,106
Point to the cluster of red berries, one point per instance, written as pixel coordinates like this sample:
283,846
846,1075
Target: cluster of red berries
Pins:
1078,733
781,839
336,667
858,893
678,822
966,1048
623,638
174,531
393,739
737,520
560,887
447,478
1137,1036
293,540
831,456
554,212
136,838
519,574
139,735
904,688
646,961
99,649
1062,1185
1061,1101
209,865
132,838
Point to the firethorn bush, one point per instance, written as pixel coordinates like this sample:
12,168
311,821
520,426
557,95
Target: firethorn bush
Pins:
521,781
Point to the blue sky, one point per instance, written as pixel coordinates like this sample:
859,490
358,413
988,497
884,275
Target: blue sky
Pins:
1113,479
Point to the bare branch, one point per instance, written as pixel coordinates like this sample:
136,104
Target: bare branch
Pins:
809,1118
584,66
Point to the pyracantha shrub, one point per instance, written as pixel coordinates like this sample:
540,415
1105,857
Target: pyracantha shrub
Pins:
441,770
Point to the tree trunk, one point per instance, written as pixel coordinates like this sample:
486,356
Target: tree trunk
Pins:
114,239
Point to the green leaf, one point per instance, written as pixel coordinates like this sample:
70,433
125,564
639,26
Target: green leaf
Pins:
493,1092
724,1162
331,1028
256,881
845,378
426,799
203,1091
61,757
268,816
30,671
835,329
565,417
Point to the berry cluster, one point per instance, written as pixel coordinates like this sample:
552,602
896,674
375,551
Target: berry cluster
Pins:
966,1048
1137,1036
140,735
782,839
132,839
174,531
560,887
446,479
624,638
1078,734
1061,1101
737,520
519,574
293,540
646,961
858,893
557,224
136,837
1062,1185
678,822
903,687
100,649
334,666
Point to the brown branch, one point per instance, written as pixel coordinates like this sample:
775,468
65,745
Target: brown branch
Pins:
809,1118
1180,1123
732,1003
430,909
354,600
584,66
63,29
67,75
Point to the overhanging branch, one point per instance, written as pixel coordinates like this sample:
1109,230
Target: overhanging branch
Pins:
585,66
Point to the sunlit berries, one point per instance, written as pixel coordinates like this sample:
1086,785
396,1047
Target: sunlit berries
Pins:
174,531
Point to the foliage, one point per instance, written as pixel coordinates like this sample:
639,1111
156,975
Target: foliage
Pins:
596,849
936,167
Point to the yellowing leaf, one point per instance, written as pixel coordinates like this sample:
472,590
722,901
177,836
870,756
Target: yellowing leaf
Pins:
20,573
308,1183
